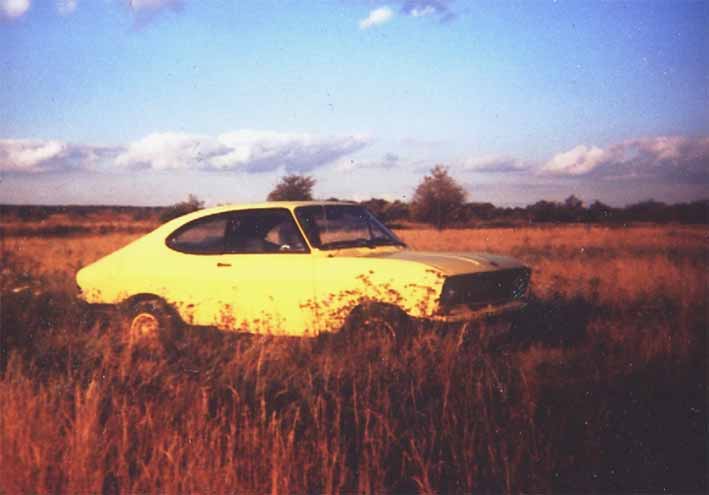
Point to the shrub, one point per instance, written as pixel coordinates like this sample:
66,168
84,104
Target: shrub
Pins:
184,207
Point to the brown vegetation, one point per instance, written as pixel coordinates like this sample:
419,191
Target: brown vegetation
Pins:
602,386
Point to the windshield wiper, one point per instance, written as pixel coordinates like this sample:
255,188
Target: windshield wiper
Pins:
370,243
347,243
387,242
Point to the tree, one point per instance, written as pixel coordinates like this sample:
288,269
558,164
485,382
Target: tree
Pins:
479,211
193,203
543,211
600,212
293,188
437,198
573,203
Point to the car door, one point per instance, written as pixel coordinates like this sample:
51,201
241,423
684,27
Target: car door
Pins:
245,270
267,272
190,275
345,275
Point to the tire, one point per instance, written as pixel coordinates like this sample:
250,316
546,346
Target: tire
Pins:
150,323
377,324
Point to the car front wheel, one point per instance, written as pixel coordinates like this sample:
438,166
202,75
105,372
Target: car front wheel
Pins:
377,324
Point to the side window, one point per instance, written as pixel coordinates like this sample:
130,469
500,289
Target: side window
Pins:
203,236
343,224
264,231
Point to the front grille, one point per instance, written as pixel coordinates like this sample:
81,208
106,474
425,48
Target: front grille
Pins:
481,289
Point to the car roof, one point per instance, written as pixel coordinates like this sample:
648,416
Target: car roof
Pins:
272,204
290,205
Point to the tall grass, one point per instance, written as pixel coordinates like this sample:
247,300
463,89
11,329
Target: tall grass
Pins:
82,413
602,387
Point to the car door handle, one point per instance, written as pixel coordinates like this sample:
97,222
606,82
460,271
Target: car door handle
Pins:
222,265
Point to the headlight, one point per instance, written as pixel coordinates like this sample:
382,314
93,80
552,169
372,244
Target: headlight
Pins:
448,295
451,292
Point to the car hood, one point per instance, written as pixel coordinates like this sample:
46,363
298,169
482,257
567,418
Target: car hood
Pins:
454,263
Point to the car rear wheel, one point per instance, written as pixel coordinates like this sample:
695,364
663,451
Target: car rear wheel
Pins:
150,323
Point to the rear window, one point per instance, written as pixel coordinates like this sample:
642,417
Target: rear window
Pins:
203,236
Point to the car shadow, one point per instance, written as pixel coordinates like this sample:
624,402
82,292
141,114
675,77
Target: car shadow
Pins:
555,322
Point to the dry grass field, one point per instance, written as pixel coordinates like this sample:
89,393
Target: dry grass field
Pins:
601,388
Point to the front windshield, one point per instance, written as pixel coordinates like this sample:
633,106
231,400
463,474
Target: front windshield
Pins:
343,226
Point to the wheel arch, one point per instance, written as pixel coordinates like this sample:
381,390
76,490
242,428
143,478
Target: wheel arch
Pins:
374,305
143,296
374,308
128,303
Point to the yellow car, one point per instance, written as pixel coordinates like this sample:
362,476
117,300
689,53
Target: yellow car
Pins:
293,268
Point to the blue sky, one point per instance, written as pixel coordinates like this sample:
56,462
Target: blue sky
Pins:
143,102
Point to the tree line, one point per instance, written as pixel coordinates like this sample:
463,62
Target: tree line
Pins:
438,200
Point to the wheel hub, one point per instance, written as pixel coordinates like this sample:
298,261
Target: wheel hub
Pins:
144,325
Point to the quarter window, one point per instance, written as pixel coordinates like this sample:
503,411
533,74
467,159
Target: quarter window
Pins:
203,236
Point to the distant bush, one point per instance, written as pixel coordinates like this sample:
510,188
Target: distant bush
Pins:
452,214
31,213
143,214
183,208
388,211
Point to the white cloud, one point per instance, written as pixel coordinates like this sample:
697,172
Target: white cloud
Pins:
677,158
494,164
376,17
66,7
577,161
25,155
153,5
242,150
31,156
12,9
247,151
262,151
428,8
422,11
145,11
171,150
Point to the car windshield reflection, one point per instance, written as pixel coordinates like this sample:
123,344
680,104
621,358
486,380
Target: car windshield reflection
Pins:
344,226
